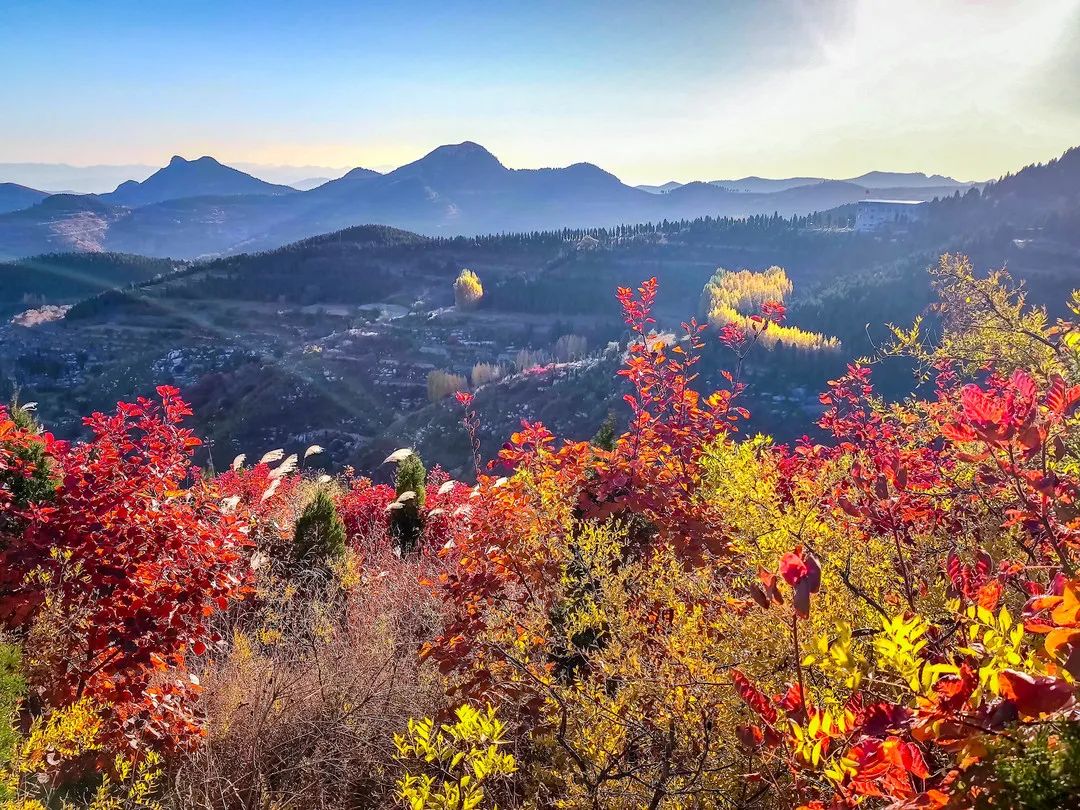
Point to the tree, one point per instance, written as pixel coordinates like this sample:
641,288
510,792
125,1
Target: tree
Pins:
605,435
441,384
319,535
30,477
484,373
468,290
408,511
527,358
570,347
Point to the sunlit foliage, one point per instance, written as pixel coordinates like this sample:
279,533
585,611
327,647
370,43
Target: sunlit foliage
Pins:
677,616
468,290
740,302
441,384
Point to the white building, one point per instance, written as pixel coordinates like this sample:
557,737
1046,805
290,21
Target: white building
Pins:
874,215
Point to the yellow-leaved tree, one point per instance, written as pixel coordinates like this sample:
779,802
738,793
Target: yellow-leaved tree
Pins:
468,290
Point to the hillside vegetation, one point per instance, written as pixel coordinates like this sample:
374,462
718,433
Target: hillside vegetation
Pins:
682,614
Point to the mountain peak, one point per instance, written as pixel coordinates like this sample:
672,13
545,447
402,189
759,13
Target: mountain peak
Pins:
202,177
468,151
464,163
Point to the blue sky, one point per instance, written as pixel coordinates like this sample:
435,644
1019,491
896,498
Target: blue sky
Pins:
651,91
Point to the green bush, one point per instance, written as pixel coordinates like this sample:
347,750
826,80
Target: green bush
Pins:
39,485
320,532
408,520
1039,772
12,689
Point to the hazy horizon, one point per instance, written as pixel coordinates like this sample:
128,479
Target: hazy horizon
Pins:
775,89
104,177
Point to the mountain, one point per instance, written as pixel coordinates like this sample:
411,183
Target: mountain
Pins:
195,209
905,180
59,223
308,183
331,338
203,177
288,175
63,278
765,185
14,197
661,189
870,180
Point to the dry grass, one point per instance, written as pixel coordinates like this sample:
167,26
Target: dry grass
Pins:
302,708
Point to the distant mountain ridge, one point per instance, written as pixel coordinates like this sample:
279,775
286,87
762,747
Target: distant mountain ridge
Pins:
14,197
202,177
874,179
201,208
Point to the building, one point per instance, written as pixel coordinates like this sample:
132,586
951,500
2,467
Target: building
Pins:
876,215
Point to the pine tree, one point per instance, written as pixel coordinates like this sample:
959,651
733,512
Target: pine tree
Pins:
320,532
605,436
408,520
39,484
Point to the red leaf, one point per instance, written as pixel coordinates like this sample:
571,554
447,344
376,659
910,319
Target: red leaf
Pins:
753,698
1034,695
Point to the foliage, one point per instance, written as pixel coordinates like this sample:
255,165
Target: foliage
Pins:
319,535
441,384
676,616
28,477
464,756
985,324
468,290
12,691
570,347
747,303
111,583
408,507
835,625
1040,770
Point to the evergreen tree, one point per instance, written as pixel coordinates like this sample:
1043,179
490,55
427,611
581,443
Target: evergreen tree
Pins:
320,532
40,484
408,520
605,436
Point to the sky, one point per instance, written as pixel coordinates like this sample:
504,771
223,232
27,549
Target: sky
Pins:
651,91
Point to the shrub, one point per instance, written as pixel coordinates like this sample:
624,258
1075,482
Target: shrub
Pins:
441,384
319,535
113,585
1039,771
408,511
302,706
464,757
